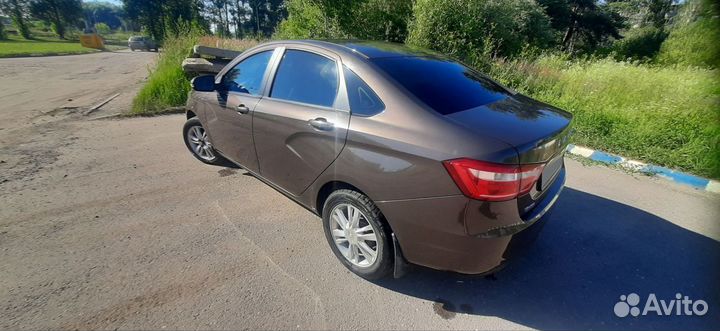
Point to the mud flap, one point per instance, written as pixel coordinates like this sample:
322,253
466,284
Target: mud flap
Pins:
401,266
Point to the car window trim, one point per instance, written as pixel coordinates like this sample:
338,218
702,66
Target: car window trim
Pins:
341,102
243,57
384,105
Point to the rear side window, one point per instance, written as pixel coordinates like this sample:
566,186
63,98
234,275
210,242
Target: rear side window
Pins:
306,77
247,76
446,86
363,101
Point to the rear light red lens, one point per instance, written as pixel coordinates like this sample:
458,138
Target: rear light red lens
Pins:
529,175
492,181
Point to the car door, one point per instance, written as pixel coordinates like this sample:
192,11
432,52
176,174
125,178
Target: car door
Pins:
301,126
230,119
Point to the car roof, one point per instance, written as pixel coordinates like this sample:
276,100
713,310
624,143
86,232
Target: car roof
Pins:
367,49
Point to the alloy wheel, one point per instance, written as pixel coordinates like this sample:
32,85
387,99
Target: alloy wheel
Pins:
353,235
200,144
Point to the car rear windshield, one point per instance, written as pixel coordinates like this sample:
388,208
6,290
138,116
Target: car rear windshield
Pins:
444,85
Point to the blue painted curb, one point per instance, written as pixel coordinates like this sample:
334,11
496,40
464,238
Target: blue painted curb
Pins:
696,182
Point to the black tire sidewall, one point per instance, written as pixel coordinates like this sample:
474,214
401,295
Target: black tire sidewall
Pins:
189,124
383,263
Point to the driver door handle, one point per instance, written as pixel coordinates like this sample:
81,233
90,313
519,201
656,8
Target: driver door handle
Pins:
321,124
242,109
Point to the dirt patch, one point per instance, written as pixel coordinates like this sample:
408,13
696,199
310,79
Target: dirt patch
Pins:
227,172
23,158
444,309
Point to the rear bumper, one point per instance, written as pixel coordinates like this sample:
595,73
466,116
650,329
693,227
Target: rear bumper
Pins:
467,236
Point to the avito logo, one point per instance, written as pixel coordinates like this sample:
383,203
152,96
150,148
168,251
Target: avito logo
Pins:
680,306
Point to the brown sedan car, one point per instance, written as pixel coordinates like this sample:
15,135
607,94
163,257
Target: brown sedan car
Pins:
406,155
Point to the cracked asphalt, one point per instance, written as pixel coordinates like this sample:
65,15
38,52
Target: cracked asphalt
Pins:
112,224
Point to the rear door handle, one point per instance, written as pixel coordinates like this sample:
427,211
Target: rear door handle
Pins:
321,124
242,109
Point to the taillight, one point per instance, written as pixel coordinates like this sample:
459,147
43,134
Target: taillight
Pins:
492,181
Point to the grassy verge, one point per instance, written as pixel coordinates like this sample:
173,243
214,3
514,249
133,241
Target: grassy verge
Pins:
664,115
16,47
168,85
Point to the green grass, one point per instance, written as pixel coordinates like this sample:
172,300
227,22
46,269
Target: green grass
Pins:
664,115
16,46
168,85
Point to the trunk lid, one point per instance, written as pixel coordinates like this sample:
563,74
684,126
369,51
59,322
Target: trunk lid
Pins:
539,132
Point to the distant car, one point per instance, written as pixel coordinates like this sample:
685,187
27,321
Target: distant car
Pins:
405,154
144,43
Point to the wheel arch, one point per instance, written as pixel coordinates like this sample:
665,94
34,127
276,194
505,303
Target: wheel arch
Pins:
334,185
330,187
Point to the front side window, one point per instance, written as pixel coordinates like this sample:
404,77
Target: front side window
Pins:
306,77
247,76
363,101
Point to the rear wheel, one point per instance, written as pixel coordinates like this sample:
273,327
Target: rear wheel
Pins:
197,141
357,234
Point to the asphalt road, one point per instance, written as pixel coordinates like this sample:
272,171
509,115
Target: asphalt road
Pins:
111,224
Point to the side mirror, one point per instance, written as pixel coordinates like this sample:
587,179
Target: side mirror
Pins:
204,83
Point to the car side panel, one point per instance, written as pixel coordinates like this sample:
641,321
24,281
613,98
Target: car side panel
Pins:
198,103
291,153
397,158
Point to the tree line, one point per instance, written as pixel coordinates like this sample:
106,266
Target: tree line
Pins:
58,14
468,29
158,18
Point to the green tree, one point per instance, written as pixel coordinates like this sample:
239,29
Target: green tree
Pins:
307,19
658,12
161,18
693,39
584,23
264,16
18,11
57,13
220,12
475,30
363,19
641,13
3,35
103,12
102,28
149,14
382,20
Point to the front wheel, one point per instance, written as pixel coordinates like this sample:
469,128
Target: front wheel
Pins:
197,141
357,234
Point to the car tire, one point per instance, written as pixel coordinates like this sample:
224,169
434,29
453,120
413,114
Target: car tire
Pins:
197,142
344,201
132,49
